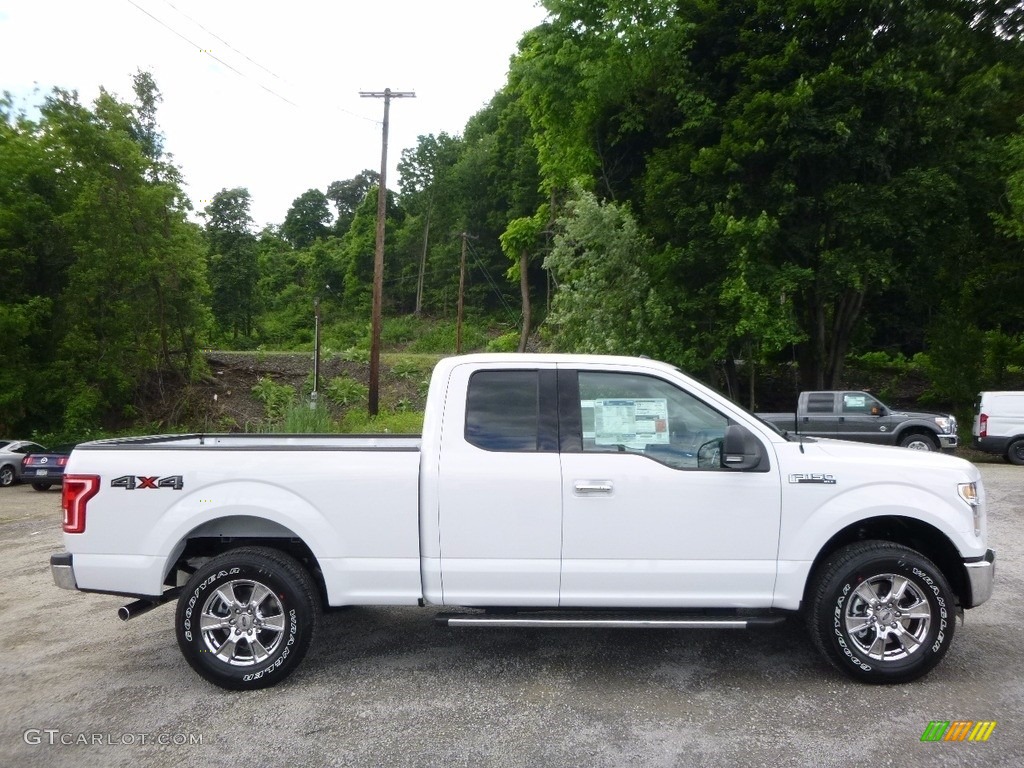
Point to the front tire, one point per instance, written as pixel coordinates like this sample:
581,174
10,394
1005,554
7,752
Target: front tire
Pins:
247,617
1015,453
881,613
918,441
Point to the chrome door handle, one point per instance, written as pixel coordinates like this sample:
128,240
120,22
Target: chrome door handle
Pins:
589,487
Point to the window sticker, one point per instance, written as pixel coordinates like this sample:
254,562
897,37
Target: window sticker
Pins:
632,422
855,401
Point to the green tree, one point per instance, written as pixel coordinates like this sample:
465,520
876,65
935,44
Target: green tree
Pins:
108,298
812,153
425,174
348,195
606,302
233,261
307,220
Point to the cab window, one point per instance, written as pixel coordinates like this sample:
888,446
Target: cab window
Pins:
859,402
503,410
634,413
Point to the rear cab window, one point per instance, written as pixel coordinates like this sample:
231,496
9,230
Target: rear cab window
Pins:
512,411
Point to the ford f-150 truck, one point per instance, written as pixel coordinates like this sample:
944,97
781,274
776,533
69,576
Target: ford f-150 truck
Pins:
545,491
858,416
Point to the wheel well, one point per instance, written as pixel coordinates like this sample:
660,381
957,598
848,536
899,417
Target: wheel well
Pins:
225,534
915,534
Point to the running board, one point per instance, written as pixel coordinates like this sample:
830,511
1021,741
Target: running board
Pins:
607,621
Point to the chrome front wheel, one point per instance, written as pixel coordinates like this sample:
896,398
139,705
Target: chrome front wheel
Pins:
881,612
888,617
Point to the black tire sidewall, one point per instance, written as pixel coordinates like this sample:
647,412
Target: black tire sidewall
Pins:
296,605
7,479
1015,453
928,579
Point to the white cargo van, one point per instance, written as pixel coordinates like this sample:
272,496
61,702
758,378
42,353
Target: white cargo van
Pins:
999,425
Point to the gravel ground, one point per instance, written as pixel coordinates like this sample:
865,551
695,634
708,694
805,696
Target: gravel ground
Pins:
386,687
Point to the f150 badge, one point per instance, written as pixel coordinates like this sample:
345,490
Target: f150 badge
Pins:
131,482
814,477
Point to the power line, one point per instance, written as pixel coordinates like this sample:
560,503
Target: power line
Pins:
494,286
208,53
238,72
218,37
256,63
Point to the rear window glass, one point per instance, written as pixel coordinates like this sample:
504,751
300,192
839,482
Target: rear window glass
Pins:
502,410
820,402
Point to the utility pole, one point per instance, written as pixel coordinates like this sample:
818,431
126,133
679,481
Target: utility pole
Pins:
462,288
316,354
378,256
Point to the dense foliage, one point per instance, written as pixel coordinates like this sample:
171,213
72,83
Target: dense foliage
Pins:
103,296
725,184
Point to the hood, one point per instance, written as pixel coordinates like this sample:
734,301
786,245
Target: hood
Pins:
921,415
892,456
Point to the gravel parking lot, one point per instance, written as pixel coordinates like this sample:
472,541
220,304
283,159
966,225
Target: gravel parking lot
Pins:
387,687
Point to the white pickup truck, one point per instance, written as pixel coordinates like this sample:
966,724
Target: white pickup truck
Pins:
545,491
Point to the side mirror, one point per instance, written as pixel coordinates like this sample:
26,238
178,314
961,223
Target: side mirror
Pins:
877,410
740,449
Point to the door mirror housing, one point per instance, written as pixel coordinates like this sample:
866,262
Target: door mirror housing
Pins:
742,450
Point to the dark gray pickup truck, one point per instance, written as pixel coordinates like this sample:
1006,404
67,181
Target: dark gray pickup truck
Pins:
848,415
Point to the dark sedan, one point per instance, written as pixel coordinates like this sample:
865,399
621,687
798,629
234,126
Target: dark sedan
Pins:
45,469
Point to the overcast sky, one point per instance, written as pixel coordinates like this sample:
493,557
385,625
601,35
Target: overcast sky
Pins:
290,117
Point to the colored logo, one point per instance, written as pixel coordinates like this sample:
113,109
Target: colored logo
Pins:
958,730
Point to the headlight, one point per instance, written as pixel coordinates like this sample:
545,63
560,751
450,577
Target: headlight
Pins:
947,424
969,493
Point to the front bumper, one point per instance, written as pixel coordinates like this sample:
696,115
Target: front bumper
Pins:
981,573
62,570
948,442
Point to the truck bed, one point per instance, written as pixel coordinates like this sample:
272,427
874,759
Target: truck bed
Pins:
268,441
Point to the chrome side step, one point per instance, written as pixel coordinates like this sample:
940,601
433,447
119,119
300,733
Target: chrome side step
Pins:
605,621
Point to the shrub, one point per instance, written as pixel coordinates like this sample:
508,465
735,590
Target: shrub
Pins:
507,342
344,391
276,398
407,368
354,355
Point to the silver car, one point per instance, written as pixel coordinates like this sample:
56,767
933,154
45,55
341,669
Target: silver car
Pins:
12,452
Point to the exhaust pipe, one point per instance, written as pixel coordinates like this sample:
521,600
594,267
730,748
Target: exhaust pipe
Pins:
146,605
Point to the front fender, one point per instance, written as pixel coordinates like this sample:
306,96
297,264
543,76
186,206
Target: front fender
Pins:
805,533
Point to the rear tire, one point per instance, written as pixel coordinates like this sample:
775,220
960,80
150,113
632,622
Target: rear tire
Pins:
6,476
881,613
247,617
42,486
919,441
1015,453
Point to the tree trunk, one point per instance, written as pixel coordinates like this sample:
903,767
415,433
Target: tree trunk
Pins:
423,265
524,287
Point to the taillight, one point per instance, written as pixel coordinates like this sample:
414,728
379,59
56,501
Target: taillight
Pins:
78,489
984,425
62,461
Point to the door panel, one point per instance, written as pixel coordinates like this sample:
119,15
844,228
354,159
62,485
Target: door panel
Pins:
500,537
647,521
861,420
